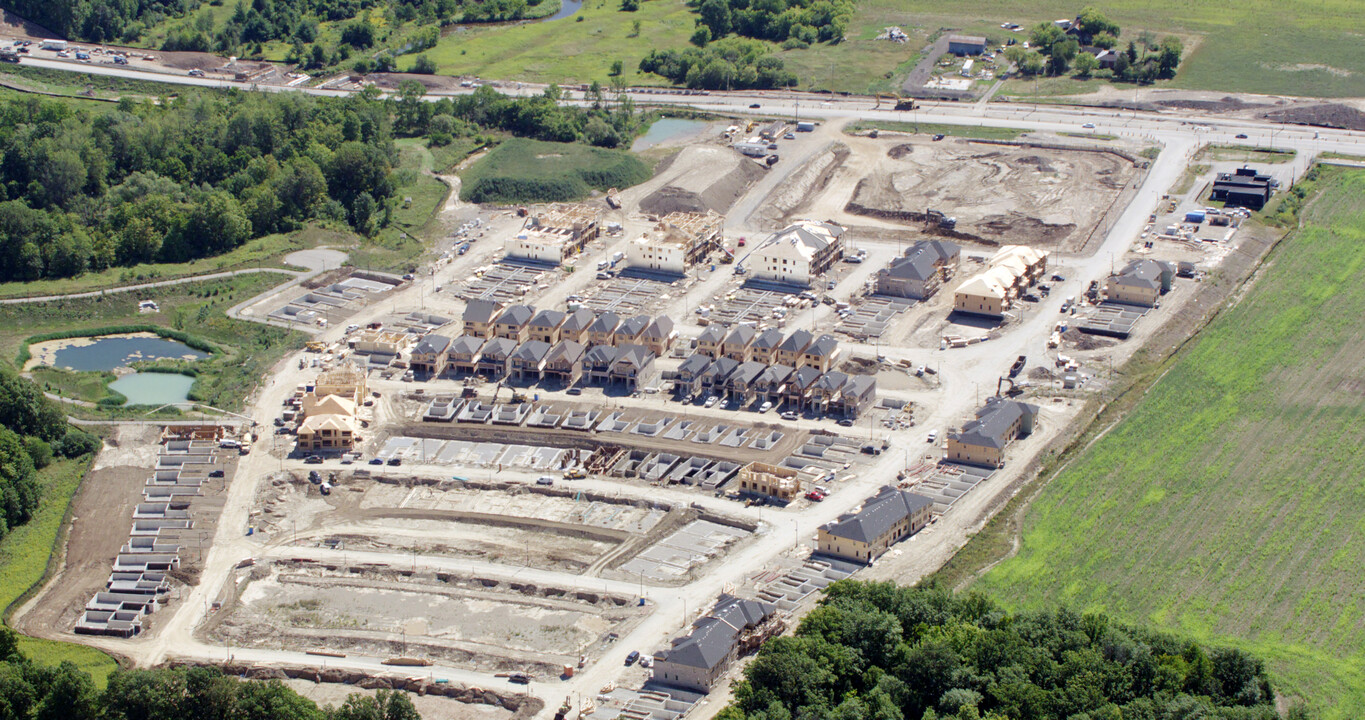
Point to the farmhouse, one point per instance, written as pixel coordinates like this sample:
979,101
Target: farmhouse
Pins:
798,253
983,441
1140,282
919,273
885,518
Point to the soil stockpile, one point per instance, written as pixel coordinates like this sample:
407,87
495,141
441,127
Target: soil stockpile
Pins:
1330,115
700,179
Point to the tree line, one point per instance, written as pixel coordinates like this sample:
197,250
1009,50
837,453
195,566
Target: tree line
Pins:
729,64
795,23
33,430
29,691
876,651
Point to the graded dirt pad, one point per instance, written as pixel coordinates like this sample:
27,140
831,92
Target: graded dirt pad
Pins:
1000,194
478,623
1330,115
794,194
700,178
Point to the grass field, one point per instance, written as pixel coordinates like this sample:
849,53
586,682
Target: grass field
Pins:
965,131
1245,153
1186,181
1226,504
521,170
87,386
24,557
1295,47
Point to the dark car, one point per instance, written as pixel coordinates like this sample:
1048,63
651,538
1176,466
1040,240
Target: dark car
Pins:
376,461
574,391
1241,136
519,678
632,657
314,477
938,136
395,461
845,423
216,473
755,106
313,460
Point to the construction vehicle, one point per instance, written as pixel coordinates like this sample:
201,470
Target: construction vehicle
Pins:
905,104
518,398
316,346
614,199
1018,366
574,474
936,217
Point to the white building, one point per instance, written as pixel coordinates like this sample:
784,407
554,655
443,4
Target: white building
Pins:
676,243
798,253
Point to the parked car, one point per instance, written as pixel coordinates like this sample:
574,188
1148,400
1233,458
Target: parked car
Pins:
790,415
216,473
711,401
789,136
846,423
574,391
815,496
938,136
395,461
545,480
765,407
313,460
933,436
634,654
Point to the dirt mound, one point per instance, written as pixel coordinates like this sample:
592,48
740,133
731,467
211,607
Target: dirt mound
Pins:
701,179
1225,104
900,151
1017,227
1086,341
859,366
1041,373
1330,115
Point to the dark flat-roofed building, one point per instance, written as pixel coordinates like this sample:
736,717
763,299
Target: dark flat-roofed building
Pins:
1245,188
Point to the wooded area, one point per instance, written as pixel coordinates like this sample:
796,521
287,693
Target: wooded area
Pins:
878,651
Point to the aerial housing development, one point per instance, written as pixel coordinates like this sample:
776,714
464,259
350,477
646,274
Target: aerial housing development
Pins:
336,363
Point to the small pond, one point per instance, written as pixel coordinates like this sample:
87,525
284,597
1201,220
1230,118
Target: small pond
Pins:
153,388
667,130
116,351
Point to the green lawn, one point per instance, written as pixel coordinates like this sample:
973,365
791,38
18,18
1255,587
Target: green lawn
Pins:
1227,504
24,557
964,131
1191,174
521,170
87,386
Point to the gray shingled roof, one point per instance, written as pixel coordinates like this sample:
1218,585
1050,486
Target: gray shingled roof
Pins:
517,315
713,637
832,382
879,514
547,319
775,375
804,377
1142,273
632,327
741,335
712,333
606,322
746,373
694,365
481,311
432,344
988,429
824,346
797,341
532,351
858,385
498,348
633,356
660,328
578,320
565,351
720,370
602,355
768,339
466,345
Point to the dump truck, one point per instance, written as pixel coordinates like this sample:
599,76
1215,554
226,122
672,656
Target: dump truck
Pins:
905,104
614,199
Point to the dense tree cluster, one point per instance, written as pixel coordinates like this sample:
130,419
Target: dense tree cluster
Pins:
876,651
1055,51
188,178
729,64
540,117
29,690
99,20
32,430
802,21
